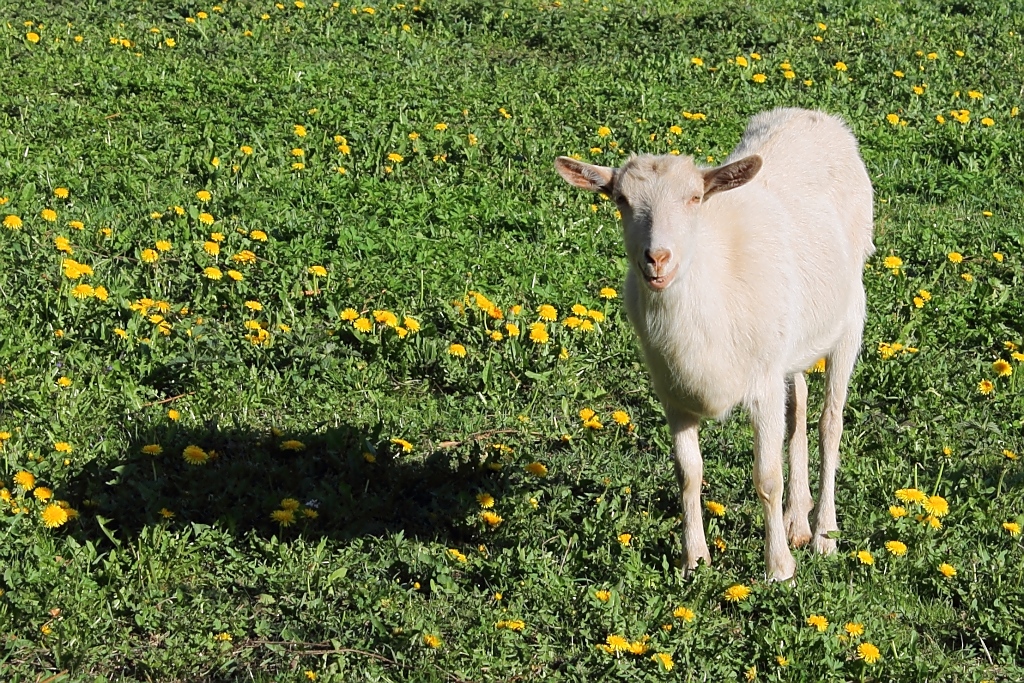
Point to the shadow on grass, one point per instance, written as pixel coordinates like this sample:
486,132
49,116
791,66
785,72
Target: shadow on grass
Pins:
347,484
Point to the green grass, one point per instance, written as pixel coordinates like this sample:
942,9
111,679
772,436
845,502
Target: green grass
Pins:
221,591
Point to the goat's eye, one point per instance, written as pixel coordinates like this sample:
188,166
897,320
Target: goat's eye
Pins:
695,199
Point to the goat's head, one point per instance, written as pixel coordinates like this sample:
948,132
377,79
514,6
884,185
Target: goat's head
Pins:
660,198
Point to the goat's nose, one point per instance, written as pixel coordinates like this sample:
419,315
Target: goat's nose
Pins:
657,258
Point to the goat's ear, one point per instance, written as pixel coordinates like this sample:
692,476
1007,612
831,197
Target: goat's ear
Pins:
585,176
731,175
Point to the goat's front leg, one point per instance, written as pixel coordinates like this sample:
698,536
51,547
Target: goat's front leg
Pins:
768,414
690,474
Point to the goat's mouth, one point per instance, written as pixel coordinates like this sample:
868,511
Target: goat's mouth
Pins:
658,282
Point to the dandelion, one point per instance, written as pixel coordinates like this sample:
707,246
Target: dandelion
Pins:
166,514
759,78
12,222
604,131
854,629
492,519
152,449
292,445
206,219
716,509
896,548
364,325
213,273
840,66
607,293
431,641
603,596
26,480
319,271
456,555
947,570
547,312
246,150
893,263
736,593
194,455
289,504
910,496
624,539
283,517
1002,368
54,515
1012,528
405,445
486,500
684,613
865,557
83,291
537,469
741,61
235,275
620,417
986,387
894,119
936,505
203,195
457,350
817,621
539,333
512,329
664,659
868,652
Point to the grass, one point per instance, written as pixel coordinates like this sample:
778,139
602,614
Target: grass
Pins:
378,564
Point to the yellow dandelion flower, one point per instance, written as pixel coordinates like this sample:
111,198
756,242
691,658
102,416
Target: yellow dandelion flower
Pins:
947,570
283,517
213,273
486,500
431,641
736,593
894,119
608,293
986,387
936,505
897,511
362,324
840,66
194,455
621,417
405,445
25,480
759,78
664,660
457,350
292,445
911,496
152,449
716,509
1002,368
83,291
203,195
319,271
235,275
741,61
492,519
684,613
537,469
13,222
1012,528
818,621
539,333
512,329
897,548
868,652
206,219
54,516
865,557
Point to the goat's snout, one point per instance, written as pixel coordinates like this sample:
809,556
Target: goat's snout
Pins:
657,259
657,270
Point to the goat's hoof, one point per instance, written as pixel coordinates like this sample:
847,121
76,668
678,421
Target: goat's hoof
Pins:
798,531
823,545
783,572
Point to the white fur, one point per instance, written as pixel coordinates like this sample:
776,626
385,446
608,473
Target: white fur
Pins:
762,280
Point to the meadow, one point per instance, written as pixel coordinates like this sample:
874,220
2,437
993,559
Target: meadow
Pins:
312,369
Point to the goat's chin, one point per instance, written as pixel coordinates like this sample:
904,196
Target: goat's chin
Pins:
659,284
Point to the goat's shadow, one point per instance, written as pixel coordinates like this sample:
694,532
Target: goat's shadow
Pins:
339,483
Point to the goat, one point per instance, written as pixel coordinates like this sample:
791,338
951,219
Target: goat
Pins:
740,277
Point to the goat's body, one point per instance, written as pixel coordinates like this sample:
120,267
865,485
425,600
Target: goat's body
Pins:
774,280
741,277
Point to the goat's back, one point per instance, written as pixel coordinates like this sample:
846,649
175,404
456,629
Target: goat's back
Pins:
811,154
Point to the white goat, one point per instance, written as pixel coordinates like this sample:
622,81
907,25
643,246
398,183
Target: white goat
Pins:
741,277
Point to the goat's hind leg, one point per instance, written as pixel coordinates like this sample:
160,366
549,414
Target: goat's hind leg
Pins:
838,369
768,414
798,494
